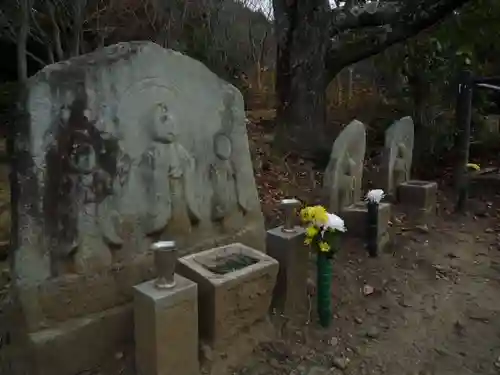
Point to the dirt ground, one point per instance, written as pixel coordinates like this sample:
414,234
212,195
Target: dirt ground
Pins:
428,305
434,307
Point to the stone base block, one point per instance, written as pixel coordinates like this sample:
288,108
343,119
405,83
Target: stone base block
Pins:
166,328
290,292
418,197
224,361
235,285
355,219
81,344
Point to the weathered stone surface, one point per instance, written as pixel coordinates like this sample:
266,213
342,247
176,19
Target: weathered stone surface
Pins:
230,303
120,146
344,173
166,328
397,155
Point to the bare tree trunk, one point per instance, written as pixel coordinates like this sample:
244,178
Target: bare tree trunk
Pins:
349,84
340,89
56,31
78,18
22,40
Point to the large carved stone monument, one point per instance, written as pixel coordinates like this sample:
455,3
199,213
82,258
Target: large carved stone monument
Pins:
397,156
344,173
117,149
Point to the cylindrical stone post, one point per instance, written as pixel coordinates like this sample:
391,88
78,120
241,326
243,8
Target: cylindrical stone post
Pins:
289,207
165,255
286,244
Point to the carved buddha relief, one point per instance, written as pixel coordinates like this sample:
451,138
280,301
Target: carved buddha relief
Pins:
344,173
168,174
226,198
398,152
89,184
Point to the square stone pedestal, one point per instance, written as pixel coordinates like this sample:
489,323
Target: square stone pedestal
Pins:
418,198
355,219
290,292
235,284
166,328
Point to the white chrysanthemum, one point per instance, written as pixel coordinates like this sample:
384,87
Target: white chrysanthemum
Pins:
335,223
375,195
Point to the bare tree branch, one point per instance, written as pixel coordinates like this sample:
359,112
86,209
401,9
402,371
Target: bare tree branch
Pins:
372,14
413,18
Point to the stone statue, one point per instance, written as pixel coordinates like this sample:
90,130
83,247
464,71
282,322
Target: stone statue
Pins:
225,199
168,174
397,156
344,173
88,184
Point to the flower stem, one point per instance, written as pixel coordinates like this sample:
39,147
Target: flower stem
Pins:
324,281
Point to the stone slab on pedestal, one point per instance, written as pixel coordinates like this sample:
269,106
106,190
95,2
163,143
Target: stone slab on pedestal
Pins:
418,198
355,219
344,172
230,302
116,149
166,328
290,292
397,156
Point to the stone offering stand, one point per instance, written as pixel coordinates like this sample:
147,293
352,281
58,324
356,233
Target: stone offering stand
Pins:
222,296
418,199
235,289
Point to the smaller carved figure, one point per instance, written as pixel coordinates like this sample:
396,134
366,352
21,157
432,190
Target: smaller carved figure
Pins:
222,175
347,183
110,215
400,169
90,184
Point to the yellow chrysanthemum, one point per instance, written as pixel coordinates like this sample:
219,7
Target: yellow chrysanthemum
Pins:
324,246
311,231
306,214
320,215
308,241
476,167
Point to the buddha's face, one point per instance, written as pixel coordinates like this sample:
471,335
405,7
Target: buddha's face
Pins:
165,130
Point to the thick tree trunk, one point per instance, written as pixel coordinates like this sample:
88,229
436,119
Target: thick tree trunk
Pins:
302,76
301,112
